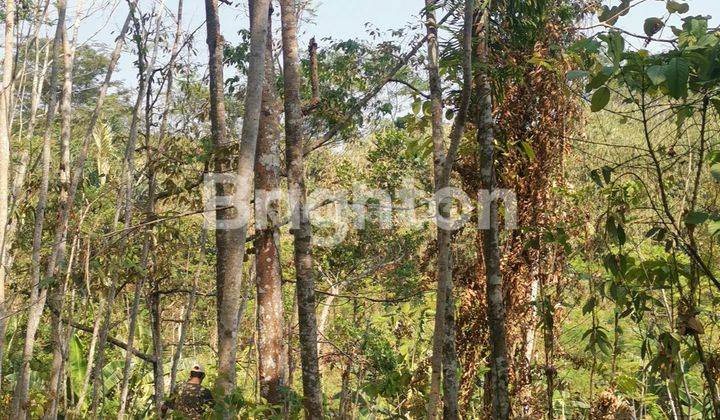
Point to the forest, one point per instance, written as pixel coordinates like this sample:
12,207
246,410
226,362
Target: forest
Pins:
498,209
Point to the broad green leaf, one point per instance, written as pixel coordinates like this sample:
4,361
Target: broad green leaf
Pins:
656,74
616,46
427,108
677,7
600,99
714,227
652,26
696,218
677,73
715,171
416,105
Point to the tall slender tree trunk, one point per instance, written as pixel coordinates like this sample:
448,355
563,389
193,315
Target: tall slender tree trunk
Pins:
57,291
17,193
38,292
5,100
227,241
230,259
443,235
272,363
302,231
444,362
490,236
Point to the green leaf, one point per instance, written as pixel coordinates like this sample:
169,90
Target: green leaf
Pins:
588,307
715,171
656,74
616,46
600,99
576,74
416,106
677,73
599,79
606,172
427,108
677,7
714,227
696,218
652,26
528,150
587,45
657,233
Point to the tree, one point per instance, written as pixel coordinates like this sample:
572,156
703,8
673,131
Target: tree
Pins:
302,231
230,286
444,359
5,101
490,236
38,293
272,350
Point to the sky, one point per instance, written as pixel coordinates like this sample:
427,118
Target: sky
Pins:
334,18
340,19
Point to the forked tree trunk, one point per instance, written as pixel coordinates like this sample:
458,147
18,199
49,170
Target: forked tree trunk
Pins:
444,359
230,260
490,237
302,233
272,363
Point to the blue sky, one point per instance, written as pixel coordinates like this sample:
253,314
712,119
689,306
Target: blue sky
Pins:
336,18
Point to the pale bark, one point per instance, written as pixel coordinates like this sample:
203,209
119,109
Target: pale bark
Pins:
163,129
5,101
38,292
230,274
18,193
443,237
58,249
229,255
444,357
490,237
302,233
155,302
272,360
